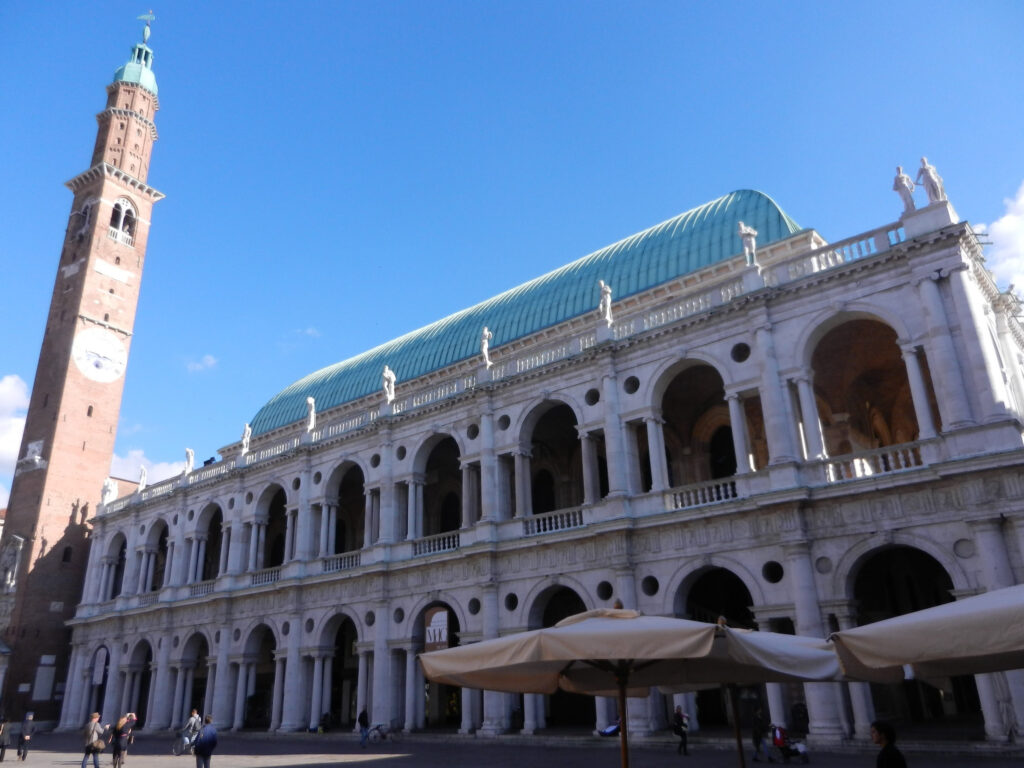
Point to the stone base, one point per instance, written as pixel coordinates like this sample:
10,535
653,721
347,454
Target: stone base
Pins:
928,219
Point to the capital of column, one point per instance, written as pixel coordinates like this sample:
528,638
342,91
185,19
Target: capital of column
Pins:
907,347
582,433
526,453
200,536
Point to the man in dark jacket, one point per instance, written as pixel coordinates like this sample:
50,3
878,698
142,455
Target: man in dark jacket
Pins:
28,728
205,743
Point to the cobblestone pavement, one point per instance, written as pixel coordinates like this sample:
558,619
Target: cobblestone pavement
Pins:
310,751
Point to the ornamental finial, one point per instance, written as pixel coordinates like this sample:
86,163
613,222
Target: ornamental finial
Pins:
146,17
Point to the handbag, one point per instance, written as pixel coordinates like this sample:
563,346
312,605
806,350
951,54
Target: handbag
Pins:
99,745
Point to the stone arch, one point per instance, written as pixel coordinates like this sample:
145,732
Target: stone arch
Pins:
261,645
814,329
340,632
854,558
536,597
431,627
670,367
528,417
117,550
345,506
424,602
438,465
210,523
272,510
194,660
140,662
423,450
550,435
99,677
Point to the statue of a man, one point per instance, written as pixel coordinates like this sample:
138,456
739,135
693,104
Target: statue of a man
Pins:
749,237
190,460
604,306
485,346
142,478
246,435
310,414
109,491
929,178
388,382
903,185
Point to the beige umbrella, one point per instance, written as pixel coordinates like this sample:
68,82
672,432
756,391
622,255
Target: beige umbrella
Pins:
621,653
978,634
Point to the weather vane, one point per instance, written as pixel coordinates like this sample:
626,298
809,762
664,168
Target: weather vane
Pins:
146,17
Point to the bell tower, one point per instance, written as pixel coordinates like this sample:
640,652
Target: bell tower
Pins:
68,443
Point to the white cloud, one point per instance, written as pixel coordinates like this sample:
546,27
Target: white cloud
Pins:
310,331
13,403
127,467
204,363
1005,257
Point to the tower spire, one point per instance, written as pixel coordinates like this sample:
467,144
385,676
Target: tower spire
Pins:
148,18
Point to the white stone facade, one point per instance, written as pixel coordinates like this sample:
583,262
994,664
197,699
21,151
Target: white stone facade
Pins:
771,442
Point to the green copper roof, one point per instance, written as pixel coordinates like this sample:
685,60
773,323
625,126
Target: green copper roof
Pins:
686,243
138,69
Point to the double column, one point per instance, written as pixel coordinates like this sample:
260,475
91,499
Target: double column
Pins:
257,543
147,563
323,670
328,526
414,507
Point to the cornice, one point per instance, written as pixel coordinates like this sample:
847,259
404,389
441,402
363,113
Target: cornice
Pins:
105,170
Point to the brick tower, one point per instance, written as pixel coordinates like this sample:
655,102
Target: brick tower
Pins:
72,418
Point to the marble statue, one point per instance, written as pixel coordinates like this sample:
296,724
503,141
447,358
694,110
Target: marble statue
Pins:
310,414
604,306
190,460
485,346
246,435
388,382
903,185
749,237
109,491
929,178
142,478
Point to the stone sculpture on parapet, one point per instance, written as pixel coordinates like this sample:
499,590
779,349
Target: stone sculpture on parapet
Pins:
387,379
109,492
310,414
142,479
604,306
485,346
749,237
929,178
190,461
246,436
903,185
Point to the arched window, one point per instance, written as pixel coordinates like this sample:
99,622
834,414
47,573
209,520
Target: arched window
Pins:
122,222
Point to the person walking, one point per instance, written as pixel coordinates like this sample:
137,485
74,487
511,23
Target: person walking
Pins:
121,737
205,743
680,727
759,735
192,727
91,734
364,728
28,728
884,735
5,737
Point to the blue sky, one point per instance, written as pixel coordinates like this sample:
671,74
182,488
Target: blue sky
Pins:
340,173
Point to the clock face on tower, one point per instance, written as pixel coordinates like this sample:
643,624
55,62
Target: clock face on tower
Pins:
99,354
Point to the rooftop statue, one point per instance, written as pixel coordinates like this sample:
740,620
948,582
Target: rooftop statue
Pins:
388,382
749,237
190,460
604,306
246,436
109,492
485,346
928,177
310,414
903,185
142,478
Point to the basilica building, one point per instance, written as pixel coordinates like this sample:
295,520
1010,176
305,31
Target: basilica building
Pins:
723,415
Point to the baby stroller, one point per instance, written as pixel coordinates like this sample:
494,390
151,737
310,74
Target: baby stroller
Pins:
784,748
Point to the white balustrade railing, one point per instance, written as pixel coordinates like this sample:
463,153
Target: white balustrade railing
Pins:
442,542
343,562
122,237
266,576
701,494
209,472
158,490
271,451
877,461
559,520
845,251
147,599
350,424
201,589
117,505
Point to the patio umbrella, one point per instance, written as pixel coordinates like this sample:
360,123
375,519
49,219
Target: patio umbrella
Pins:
613,652
978,634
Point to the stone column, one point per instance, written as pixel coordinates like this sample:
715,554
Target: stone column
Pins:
387,490
495,717
860,693
524,483
778,425
591,486
412,692
740,439
193,560
332,527
201,557
468,696
656,451
277,696
985,372
361,683
615,454
190,679
381,667
179,696
810,417
316,702
225,548
918,392
943,361
254,542
238,716
142,586
489,504
367,517
108,711
289,534
222,682
631,450
822,703
324,523
72,690
211,687
261,544
159,718
468,498
529,714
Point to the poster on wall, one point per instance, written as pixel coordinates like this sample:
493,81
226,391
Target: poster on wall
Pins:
436,623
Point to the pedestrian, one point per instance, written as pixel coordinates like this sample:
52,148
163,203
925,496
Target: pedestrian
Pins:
5,737
192,726
680,727
364,728
205,743
121,737
92,735
28,728
759,735
884,735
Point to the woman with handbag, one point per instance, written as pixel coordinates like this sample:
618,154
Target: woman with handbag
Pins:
92,734
121,737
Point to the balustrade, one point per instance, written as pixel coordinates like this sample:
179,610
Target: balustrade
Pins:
442,542
878,461
266,576
701,494
341,562
201,589
547,522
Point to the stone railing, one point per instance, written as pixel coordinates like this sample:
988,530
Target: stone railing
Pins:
202,588
343,562
147,599
878,461
429,545
842,252
701,494
158,490
352,423
266,576
547,522
271,451
122,237
209,472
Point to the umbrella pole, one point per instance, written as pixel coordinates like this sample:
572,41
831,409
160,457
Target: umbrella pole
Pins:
735,699
623,724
